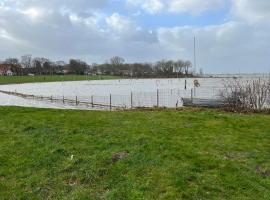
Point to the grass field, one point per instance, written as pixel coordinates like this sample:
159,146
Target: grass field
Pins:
51,154
32,79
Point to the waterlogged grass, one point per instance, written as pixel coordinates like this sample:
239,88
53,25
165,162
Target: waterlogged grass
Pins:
54,78
52,154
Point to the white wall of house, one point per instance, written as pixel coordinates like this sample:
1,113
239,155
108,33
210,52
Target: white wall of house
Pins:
9,73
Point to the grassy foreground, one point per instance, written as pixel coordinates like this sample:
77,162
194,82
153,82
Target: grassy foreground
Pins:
52,154
54,78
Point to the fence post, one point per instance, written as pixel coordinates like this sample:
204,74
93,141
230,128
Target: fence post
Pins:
191,92
92,101
131,100
110,101
158,98
63,99
51,98
76,100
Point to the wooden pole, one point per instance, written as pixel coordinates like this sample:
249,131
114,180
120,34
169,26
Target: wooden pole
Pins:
131,100
110,101
157,98
92,101
192,95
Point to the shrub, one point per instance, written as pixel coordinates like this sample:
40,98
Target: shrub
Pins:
241,95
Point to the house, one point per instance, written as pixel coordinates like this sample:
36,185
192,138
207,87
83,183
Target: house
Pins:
5,70
2,71
125,72
99,72
9,73
66,71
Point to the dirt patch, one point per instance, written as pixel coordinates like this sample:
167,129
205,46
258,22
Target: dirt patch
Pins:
263,172
119,156
72,181
236,156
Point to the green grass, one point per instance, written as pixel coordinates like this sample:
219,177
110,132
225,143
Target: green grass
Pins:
32,79
172,155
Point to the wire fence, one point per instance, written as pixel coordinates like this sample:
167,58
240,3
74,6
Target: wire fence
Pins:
167,98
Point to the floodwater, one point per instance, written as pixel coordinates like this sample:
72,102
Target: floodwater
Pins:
122,93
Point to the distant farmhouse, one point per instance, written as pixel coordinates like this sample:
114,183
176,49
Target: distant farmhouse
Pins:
5,70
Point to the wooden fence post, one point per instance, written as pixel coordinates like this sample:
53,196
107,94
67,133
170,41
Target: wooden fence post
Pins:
110,101
191,92
131,100
63,99
92,101
76,100
158,98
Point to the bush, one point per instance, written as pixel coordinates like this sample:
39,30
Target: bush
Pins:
246,95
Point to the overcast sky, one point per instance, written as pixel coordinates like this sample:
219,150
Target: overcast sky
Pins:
232,35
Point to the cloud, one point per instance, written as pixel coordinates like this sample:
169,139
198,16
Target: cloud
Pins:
252,11
227,47
119,23
150,6
94,36
194,7
78,5
85,29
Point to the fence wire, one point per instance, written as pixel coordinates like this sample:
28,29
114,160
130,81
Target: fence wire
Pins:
169,98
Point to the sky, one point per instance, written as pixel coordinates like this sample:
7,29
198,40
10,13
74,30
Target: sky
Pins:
232,35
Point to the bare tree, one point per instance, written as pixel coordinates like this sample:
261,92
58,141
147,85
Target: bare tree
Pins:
117,61
246,95
77,66
11,61
258,92
179,66
26,61
187,66
165,67
37,65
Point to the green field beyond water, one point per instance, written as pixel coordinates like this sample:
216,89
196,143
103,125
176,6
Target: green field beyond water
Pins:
52,154
33,79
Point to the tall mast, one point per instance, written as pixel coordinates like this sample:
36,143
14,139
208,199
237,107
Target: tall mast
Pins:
195,61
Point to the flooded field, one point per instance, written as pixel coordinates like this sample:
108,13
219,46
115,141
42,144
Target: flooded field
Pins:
124,93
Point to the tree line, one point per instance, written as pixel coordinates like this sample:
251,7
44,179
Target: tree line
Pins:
115,66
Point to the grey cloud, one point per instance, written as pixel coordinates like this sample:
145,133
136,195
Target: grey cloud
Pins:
78,5
252,11
57,36
236,44
232,46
